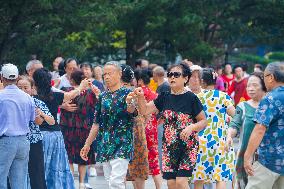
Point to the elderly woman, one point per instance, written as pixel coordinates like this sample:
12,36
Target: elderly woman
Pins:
213,162
183,115
243,122
195,79
76,126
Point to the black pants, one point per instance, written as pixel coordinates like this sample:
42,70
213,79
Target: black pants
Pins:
36,166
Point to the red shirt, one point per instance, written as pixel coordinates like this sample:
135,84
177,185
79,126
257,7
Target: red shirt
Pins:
228,82
239,87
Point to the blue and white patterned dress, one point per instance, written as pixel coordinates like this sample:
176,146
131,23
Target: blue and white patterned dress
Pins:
35,134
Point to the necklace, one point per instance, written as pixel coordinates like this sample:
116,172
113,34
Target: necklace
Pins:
178,92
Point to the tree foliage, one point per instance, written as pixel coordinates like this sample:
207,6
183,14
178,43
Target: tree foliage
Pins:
99,30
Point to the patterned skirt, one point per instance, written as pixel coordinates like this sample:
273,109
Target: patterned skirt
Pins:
139,166
57,170
74,139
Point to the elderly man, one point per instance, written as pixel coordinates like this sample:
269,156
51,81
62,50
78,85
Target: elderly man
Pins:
159,78
17,109
114,121
268,169
32,66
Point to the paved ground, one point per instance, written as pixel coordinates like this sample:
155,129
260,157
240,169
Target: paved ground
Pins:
100,183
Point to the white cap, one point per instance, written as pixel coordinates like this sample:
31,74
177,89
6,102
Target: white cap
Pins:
195,68
10,71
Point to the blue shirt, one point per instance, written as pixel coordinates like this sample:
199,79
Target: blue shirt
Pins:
35,134
99,84
17,109
270,113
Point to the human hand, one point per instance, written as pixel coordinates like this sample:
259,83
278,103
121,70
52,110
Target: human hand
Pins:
229,143
84,84
84,152
184,135
139,92
70,107
39,112
248,165
94,89
130,97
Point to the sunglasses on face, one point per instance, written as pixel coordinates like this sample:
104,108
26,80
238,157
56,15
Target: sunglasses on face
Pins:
175,74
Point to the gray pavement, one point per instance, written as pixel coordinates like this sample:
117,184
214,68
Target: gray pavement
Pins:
99,182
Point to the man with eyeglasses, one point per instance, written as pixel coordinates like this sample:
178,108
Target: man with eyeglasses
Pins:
17,109
268,134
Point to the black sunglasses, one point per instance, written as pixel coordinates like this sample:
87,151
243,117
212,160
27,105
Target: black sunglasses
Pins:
175,74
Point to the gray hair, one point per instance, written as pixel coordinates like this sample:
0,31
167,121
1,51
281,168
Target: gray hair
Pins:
159,70
277,70
31,63
115,64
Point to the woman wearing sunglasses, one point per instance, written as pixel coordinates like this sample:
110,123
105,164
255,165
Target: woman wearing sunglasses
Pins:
183,117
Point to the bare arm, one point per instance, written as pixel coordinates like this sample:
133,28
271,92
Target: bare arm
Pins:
254,142
49,119
201,122
93,134
72,94
255,139
146,108
232,132
231,111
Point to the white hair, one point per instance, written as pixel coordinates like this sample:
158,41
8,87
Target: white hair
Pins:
31,63
115,64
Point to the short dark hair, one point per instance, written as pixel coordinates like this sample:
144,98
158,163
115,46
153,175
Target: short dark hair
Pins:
77,76
86,64
237,66
184,68
138,62
259,66
127,73
208,76
143,74
68,60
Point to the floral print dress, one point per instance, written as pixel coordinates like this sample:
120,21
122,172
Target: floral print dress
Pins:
151,130
178,112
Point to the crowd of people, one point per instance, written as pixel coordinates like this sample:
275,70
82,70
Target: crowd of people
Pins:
177,124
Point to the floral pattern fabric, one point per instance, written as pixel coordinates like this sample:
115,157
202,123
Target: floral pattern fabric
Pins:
177,153
139,166
152,134
35,134
270,113
213,162
76,126
115,126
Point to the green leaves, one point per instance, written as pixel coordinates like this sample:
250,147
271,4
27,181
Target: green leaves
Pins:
99,29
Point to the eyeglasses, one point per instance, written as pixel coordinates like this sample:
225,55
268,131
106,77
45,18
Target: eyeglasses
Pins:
175,74
267,75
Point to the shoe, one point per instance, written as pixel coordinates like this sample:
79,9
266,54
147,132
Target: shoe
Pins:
93,172
82,186
88,186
